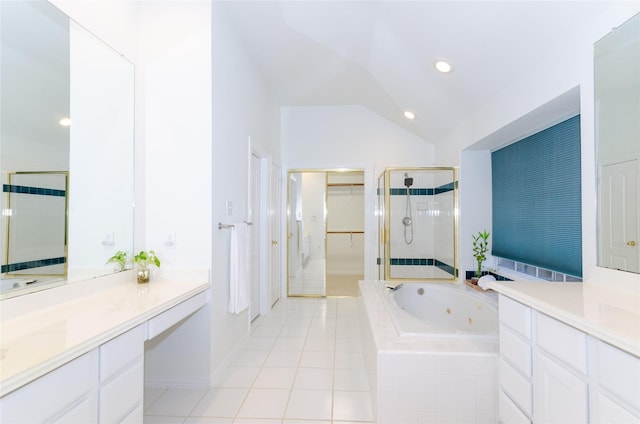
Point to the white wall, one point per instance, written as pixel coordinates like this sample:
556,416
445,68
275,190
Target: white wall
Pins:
572,65
356,138
175,137
243,109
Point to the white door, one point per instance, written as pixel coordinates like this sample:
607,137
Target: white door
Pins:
618,216
254,249
275,252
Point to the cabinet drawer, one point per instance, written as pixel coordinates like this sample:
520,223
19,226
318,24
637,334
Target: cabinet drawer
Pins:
516,316
51,395
610,412
182,310
515,350
565,343
508,412
516,386
122,394
618,372
121,351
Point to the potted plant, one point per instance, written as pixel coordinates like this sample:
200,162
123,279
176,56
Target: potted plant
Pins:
480,248
143,260
119,259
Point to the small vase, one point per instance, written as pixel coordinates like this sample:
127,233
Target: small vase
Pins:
143,274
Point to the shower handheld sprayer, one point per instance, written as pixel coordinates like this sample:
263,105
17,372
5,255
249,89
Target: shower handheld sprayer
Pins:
407,221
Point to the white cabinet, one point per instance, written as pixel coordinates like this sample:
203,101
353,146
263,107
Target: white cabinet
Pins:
515,399
122,377
550,372
66,395
558,395
105,385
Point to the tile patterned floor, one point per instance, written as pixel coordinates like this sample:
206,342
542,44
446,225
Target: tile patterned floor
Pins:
303,364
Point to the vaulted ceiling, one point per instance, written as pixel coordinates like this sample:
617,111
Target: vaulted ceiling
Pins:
380,54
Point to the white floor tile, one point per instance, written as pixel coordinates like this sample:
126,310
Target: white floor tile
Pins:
313,359
321,331
260,343
151,394
289,343
220,402
176,402
314,379
350,360
237,377
309,422
208,420
266,331
264,403
352,406
349,379
283,358
320,344
275,378
256,421
310,405
158,419
251,358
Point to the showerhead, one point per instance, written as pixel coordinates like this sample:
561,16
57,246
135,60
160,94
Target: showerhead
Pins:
408,181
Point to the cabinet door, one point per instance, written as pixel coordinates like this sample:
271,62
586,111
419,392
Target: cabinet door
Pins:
66,394
606,411
558,395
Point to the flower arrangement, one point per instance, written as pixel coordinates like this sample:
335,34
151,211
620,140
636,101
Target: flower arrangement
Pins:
143,260
120,259
480,248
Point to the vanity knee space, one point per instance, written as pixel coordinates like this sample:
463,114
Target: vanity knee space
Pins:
552,372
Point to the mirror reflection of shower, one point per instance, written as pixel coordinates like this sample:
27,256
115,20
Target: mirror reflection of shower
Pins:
407,221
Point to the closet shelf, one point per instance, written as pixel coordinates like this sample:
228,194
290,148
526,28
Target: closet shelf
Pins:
345,185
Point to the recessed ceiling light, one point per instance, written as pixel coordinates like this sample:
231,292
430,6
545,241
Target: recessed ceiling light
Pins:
65,122
409,115
442,65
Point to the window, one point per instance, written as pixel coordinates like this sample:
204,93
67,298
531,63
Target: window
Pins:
537,216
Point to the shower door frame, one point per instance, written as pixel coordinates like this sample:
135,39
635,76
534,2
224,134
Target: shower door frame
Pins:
385,232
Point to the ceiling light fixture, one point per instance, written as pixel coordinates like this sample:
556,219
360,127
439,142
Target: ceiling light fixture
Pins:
409,115
65,122
442,65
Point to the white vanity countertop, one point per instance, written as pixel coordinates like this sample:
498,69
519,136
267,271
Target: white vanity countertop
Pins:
611,316
37,342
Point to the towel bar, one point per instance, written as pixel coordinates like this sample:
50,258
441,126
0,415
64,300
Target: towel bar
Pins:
221,225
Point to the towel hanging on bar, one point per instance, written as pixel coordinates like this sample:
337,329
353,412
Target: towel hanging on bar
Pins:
239,268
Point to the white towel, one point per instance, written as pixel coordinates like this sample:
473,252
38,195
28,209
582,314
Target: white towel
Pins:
484,281
239,268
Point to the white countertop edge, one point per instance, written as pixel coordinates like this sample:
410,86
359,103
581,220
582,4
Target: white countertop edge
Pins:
20,379
567,317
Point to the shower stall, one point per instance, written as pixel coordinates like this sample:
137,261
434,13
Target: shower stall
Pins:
417,219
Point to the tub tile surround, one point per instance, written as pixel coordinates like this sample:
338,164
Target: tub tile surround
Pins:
607,312
44,330
425,380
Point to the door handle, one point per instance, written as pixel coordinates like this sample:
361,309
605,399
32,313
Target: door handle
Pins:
631,243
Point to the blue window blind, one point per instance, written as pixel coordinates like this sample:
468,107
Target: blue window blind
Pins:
537,217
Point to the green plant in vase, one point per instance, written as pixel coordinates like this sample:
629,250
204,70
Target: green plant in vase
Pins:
144,259
480,248
120,259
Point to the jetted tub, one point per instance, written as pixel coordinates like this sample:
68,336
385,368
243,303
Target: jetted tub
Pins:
441,310
431,352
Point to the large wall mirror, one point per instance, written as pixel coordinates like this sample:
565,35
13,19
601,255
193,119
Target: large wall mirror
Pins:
66,149
617,105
